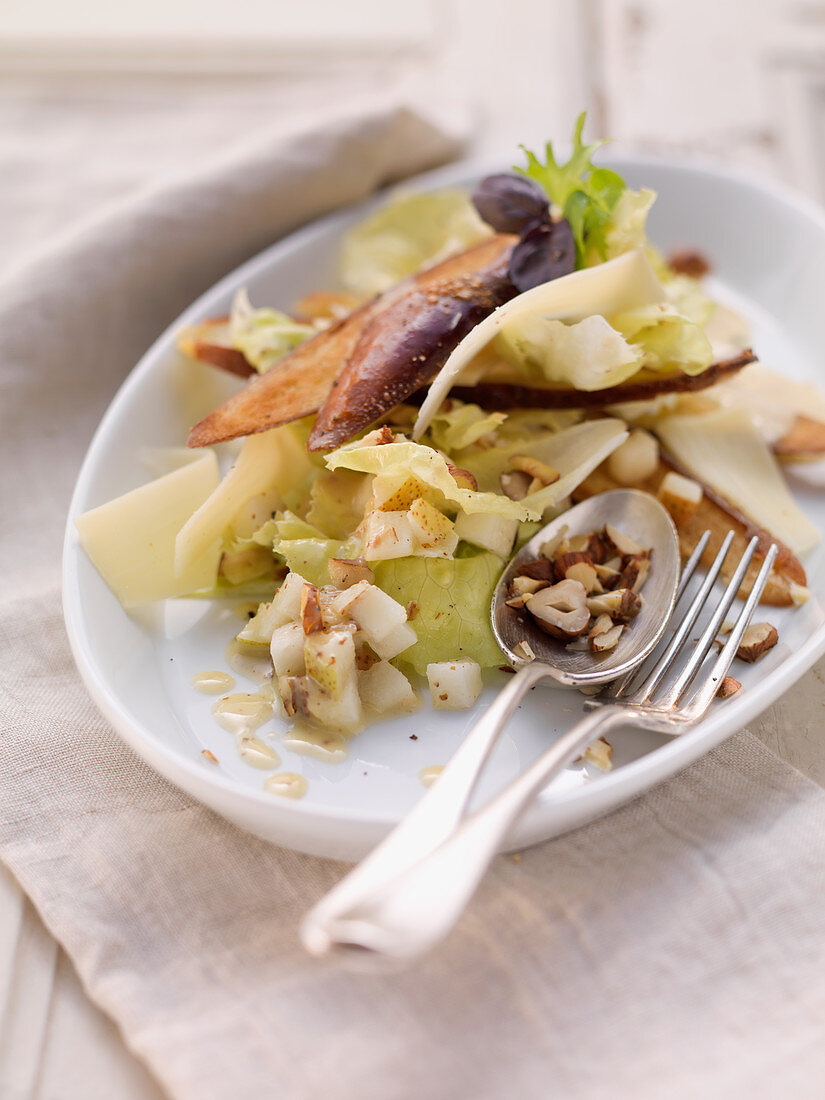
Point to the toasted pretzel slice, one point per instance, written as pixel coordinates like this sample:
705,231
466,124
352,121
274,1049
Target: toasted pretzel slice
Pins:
642,386
210,342
383,351
803,442
715,514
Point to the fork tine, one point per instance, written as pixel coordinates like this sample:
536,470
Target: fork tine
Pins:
690,565
670,696
651,681
615,690
700,702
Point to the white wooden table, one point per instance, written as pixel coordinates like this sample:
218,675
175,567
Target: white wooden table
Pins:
742,83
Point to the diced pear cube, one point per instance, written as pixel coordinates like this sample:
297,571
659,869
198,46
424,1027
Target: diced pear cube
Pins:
286,603
384,688
304,696
345,572
490,532
372,610
389,496
284,607
330,660
386,535
395,642
433,531
257,633
344,713
287,649
381,619
454,685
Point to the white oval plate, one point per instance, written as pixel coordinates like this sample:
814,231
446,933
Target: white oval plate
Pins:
768,247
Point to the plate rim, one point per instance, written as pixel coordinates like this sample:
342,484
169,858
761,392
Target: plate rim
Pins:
613,789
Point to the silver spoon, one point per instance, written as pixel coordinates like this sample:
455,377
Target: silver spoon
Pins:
367,909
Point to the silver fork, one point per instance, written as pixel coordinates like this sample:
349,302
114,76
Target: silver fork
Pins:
408,894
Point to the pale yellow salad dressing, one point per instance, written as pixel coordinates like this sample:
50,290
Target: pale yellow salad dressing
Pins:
326,745
244,711
213,682
286,784
246,664
255,752
429,775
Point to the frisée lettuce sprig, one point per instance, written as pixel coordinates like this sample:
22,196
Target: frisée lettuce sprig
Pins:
585,195
569,214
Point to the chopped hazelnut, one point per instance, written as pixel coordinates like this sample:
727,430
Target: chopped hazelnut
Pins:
687,261
553,546
729,686
311,618
515,484
584,573
535,468
600,753
799,594
539,570
756,641
608,640
463,478
526,586
561,610
344,572
621,542
524,650
621,605
634,572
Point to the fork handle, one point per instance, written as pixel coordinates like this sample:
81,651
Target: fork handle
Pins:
408,914
430,822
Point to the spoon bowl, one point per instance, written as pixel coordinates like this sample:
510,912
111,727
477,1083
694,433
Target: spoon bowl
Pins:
642,518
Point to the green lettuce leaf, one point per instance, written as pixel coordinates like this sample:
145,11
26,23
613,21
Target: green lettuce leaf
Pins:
306,550
688,297
462,426
625,229
525,423
606,217
338,500
265,535
665,338
587,355
575,453
584,194
453,597
410,232
400,461
258,589
264,335
598,352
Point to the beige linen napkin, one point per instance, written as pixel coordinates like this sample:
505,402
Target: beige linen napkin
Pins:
675,948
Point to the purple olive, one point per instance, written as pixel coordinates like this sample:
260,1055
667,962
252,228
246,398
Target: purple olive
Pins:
545,252
509,204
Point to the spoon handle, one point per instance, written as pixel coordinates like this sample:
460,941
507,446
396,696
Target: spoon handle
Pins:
433,819
410,912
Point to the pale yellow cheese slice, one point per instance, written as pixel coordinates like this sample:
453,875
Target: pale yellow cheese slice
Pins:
266,461
131,540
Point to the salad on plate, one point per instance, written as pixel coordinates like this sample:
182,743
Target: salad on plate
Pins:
487,360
